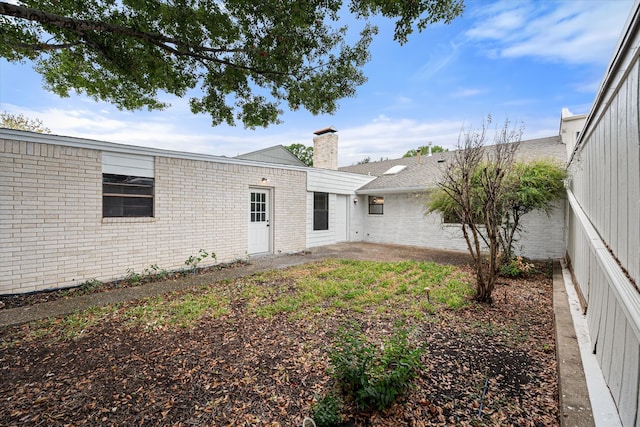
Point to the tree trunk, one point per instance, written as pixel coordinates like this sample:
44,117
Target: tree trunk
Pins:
484,286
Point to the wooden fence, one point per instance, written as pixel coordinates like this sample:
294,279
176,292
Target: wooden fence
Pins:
603,223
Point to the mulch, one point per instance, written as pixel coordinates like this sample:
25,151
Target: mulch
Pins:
483,365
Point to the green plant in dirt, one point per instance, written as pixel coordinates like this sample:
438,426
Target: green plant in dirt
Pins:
89,285
154,273
132,278
326,411
517,267
193,260
350,358
549,265
374,377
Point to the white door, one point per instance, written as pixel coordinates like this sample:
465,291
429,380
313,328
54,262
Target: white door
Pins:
259,231
342,218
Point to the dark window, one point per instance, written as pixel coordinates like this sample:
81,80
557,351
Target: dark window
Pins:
320,211
126,196
376,205
452,218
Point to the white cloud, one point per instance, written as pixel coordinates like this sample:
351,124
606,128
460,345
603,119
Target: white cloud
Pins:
520,102
500,25
439,58
575,32
403,101
380,137
109,124
392,137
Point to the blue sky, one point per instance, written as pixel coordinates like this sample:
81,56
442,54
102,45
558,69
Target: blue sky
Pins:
514,59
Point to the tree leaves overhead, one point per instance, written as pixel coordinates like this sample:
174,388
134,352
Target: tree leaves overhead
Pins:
246,58
22,122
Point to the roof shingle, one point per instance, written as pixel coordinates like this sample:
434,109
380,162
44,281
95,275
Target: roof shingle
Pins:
423,172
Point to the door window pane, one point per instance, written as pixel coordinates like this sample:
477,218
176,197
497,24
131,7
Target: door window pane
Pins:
258,207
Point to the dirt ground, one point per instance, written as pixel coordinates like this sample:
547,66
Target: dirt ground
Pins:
356,251
488,365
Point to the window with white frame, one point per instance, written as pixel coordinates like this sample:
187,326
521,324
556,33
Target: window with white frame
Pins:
128,182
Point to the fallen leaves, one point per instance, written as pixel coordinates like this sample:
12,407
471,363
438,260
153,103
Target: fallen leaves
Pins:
484,365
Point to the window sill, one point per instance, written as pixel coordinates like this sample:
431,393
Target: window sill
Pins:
128,220
459,224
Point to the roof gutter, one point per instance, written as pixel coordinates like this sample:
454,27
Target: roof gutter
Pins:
90,144
397,190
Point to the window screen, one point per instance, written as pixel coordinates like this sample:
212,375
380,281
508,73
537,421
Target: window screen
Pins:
320,211
126,196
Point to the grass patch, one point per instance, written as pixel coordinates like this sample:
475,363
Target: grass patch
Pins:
67,327
184,310
324,287
301,292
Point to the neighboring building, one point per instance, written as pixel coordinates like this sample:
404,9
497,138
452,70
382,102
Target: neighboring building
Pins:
570,127
394,204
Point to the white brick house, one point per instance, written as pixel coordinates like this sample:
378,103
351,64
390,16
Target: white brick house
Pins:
393,205
74,210
62,223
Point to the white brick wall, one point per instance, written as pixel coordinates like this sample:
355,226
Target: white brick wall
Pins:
53,235
404,223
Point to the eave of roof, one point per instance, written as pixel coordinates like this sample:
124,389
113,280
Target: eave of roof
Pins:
91,144
397,190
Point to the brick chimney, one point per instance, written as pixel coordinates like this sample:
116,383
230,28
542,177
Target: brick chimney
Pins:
325,149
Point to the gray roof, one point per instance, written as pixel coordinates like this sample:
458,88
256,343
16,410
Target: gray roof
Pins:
277,154
422,173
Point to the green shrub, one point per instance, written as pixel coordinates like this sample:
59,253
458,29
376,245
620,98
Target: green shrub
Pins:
326,411
374,378
154,273
517,267
132,278
90,285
